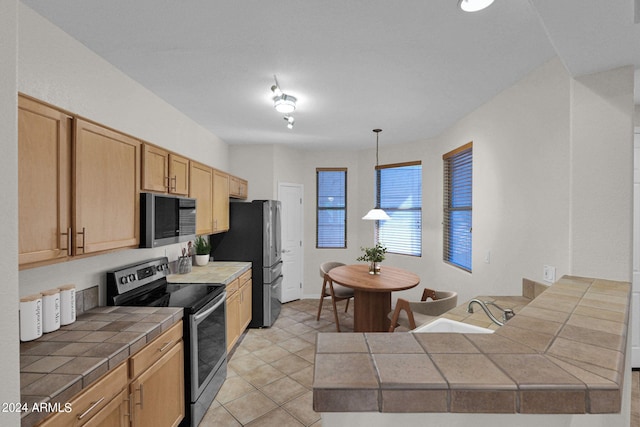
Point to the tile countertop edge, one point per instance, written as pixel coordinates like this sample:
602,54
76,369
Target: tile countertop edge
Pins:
122,338
587,374
218,272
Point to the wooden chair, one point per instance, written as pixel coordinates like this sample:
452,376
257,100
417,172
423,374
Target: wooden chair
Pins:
418,313
335,291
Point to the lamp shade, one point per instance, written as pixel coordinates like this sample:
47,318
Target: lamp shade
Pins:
474,5
376,214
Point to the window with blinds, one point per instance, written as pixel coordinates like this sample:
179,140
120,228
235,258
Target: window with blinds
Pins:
399,194
331,208
457,225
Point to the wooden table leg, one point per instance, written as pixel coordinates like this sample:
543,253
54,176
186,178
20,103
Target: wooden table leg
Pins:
370,311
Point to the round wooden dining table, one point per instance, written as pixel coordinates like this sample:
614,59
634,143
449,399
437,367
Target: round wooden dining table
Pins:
372,293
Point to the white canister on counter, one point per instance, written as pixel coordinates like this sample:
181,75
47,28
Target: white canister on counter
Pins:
67,304
50,310
31,317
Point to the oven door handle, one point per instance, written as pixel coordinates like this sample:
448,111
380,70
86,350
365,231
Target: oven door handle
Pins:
197,318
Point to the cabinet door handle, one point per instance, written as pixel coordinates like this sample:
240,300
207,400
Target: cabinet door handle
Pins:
173,187
91,408
84,240
164,347
68,234
129,408
168,184
141,396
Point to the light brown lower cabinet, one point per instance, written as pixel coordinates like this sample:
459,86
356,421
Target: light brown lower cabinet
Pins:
238,308
114,414
158,393
233,319
245,304
146,390
101,404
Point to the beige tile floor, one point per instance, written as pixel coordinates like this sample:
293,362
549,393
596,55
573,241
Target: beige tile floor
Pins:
270,372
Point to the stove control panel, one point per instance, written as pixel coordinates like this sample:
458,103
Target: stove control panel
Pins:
133,276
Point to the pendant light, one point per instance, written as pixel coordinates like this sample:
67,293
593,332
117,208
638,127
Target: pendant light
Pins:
376,214
474,5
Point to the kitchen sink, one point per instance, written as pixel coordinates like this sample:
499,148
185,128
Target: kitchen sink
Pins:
448,326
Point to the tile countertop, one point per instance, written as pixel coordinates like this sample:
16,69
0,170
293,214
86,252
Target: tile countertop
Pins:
563,353
58,365
215,272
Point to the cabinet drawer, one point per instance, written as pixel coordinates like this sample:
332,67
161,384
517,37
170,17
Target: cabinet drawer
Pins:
233,287
245,276
154,350
90,401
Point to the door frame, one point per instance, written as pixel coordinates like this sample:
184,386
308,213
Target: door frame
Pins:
635,287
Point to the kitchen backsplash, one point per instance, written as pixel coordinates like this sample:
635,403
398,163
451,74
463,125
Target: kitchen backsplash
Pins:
86,299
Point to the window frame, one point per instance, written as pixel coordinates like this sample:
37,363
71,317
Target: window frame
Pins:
319,209
447,249
378,170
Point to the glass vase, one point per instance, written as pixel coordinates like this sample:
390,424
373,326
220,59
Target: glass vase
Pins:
374,267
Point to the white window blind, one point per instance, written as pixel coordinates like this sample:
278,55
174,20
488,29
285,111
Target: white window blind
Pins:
331,212
457,225
399,194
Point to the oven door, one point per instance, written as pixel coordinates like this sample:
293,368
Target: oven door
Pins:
208,343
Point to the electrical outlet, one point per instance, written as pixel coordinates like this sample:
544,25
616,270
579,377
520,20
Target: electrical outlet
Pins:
549,273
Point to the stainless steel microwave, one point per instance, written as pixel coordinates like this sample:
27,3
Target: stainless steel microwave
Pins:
165,219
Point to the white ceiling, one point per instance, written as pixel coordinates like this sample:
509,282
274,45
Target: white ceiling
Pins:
410,67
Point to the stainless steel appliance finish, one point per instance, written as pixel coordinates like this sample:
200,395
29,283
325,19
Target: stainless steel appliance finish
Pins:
166,219
144,284
255,235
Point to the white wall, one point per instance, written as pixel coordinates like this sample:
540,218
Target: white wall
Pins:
59,70
602,174
255,163
9,356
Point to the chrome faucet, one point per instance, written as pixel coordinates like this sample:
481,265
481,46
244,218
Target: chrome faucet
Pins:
507,313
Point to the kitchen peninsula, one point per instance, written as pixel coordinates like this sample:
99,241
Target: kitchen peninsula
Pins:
563,353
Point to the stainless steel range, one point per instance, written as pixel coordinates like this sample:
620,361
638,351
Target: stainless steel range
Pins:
145,285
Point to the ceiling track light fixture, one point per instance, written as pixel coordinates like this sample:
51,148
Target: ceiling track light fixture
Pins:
282,102
376,214
474,5
290,121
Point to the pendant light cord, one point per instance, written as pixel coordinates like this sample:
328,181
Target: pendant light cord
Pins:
377,131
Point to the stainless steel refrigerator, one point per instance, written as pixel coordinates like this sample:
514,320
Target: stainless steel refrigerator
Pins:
255,235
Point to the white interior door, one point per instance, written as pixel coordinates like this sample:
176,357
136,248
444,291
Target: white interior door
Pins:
635,295
290,195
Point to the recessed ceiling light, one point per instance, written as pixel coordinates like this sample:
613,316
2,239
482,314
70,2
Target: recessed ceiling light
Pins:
474,5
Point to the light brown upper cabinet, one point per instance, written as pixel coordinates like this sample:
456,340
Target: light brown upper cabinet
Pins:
201,189
44,182
178,175
164,172
106,190
238,187
220,201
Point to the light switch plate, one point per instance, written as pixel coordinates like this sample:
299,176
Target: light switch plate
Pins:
549,273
